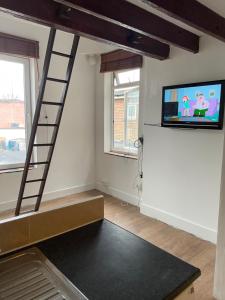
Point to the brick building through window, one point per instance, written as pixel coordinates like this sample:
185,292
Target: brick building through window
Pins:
12,114
15,110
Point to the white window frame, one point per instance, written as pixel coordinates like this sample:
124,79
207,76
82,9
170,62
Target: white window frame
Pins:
129,118
27,103
113,87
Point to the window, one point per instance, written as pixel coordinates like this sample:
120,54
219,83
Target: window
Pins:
125,111
131,112
15,110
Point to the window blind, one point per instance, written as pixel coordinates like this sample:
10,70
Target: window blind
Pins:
10,44
120,60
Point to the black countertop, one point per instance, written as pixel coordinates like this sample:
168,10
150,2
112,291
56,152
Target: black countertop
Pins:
107,262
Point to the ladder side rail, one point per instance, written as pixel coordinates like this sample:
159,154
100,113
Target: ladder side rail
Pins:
58,118
36,118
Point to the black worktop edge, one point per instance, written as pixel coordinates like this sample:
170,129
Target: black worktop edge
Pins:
183,286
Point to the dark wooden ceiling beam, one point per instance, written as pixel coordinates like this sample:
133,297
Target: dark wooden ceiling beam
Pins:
133,17
194,14
53,14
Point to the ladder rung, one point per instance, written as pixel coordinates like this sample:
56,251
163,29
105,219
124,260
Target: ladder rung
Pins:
57,80
48,125
29,197
62,54
43,145
39,163
52,103
34,180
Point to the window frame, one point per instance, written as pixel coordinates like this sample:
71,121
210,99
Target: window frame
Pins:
131,118
27,105
114,150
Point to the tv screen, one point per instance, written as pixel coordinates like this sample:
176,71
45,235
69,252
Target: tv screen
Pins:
197,105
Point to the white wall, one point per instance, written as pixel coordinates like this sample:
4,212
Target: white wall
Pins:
114,175
73,165
219,277
182,168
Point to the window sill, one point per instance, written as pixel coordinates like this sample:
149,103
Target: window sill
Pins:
16,170
124,155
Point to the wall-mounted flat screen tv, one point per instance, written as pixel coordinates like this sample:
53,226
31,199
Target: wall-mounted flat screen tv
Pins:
196,105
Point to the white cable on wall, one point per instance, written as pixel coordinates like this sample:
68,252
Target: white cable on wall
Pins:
138,179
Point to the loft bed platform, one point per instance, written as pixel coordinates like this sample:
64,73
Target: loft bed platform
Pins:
54,218
54,203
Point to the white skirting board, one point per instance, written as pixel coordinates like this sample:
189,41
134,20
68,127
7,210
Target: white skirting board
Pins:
51,195
198,230
129,198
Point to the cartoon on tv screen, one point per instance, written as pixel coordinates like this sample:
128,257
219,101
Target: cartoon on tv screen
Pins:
193,104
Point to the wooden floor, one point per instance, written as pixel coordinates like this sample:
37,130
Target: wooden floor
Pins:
179,243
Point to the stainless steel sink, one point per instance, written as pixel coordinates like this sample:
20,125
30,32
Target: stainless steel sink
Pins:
29,275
